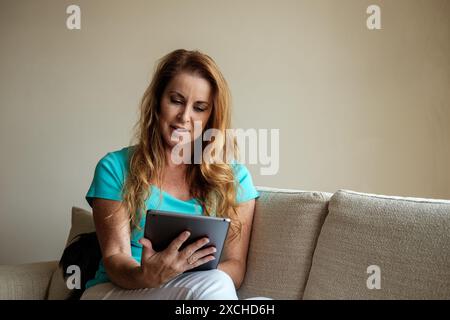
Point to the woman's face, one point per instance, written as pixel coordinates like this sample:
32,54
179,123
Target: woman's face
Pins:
186,99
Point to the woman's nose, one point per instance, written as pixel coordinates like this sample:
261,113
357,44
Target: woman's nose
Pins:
184,114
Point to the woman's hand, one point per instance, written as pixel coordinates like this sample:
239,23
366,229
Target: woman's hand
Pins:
159,267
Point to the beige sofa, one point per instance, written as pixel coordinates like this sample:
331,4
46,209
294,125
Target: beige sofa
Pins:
313,245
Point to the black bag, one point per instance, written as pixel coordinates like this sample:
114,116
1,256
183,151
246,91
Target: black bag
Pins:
84,252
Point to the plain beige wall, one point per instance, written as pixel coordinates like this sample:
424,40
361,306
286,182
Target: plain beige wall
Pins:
357,109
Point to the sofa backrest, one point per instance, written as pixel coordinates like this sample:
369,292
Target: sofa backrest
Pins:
401,245
285,229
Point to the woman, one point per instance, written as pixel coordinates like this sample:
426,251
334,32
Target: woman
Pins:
187,89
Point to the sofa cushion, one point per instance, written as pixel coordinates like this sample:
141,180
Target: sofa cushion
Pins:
407,238
81,222
26,281
286,226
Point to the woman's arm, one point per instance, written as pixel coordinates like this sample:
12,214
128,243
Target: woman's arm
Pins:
234,256
113,232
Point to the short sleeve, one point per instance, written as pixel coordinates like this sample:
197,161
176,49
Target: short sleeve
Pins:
108,180
246,190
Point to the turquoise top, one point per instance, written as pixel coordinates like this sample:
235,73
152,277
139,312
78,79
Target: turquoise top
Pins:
109,177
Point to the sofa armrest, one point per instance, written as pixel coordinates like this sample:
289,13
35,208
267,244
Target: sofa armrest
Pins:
26,281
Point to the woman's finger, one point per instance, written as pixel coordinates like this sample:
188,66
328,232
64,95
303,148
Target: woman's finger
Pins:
147,248
203,253
199,254
176,244
200,261
192,248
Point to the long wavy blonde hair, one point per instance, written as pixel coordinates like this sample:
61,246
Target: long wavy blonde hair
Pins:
212,184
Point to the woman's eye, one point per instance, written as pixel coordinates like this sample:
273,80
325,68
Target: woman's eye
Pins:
199,109
176,102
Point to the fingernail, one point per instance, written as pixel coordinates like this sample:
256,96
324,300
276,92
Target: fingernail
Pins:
214,249
187,233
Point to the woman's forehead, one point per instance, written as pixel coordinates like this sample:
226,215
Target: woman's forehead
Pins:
190,87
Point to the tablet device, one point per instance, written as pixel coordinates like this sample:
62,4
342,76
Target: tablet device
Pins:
162,227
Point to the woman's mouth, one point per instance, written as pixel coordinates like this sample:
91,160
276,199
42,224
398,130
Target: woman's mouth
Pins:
179,129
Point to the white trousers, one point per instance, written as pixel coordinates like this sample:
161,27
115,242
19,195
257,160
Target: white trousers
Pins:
199,285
